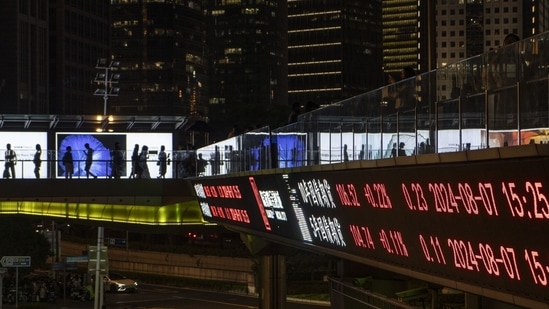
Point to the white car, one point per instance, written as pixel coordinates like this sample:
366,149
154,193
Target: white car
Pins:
119,283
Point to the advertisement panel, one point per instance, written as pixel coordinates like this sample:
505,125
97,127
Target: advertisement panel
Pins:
102,145
24,145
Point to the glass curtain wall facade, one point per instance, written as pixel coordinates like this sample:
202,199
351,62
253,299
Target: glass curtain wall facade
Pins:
161,49
24,57
79,35
333,49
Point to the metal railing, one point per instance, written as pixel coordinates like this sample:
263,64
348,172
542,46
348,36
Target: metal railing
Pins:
347,295
180,164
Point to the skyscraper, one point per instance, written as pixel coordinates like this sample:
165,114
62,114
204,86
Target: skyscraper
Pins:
400,35
248,61
334,49
79,35
24,57
161,49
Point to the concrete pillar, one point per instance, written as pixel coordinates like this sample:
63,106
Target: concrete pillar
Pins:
272,277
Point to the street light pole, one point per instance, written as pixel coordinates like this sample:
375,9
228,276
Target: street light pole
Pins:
106,94
107,78
98,299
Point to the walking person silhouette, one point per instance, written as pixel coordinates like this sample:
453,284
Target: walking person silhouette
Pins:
68,163
89,161
37,160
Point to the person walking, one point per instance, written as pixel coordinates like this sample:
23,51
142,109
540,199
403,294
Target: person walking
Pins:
37,160
135,161
89,161
162,162
11,159
142,167
401,150
117,161
68,163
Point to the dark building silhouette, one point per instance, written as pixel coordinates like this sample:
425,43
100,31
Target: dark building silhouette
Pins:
161,49
334,49
49,53
24,57
79,35
247,43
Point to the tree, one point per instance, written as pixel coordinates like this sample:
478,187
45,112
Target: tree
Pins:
19,238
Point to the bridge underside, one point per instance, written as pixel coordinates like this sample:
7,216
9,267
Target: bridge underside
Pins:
155,202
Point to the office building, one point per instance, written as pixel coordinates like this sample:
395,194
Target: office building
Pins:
161,50
469,28
50,51
407,34
24,57
248,61
334,49
79,35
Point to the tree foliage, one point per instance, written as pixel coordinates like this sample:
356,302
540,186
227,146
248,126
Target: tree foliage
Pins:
19,238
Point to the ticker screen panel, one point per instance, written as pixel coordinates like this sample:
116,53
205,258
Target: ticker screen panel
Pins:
485,223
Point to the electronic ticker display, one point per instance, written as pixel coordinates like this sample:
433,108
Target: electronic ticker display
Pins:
484,223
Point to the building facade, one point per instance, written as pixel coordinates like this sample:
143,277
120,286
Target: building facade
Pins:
334,49
79,35
248,61
469,28
24,57
161,50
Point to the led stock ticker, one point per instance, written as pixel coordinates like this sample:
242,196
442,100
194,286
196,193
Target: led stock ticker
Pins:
450,221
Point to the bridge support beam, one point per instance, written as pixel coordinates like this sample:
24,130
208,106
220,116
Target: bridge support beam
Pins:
272,276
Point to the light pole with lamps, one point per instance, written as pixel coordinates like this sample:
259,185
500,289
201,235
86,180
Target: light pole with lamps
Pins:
107,78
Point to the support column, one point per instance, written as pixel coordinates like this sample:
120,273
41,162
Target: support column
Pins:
272,277
472,301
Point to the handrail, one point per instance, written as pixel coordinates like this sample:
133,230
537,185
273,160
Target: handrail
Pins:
180,164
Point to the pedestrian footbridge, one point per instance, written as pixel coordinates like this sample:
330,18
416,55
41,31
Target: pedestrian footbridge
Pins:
143,202
451,191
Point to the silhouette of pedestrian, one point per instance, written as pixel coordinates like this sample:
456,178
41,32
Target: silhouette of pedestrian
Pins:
143,168
162,162
37,160
135,161
11,160
68,163
201,165
394,150
89,161
401,150
117,158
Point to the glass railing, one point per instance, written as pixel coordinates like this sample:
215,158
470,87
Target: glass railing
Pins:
491,100
179,164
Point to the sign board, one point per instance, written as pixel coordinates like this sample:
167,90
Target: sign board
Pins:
103,259
121,242
16,261
77,259
64,266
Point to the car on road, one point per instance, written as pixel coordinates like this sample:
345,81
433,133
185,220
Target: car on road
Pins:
119,283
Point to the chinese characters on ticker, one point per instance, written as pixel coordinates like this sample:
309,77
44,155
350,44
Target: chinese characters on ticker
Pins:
485,228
